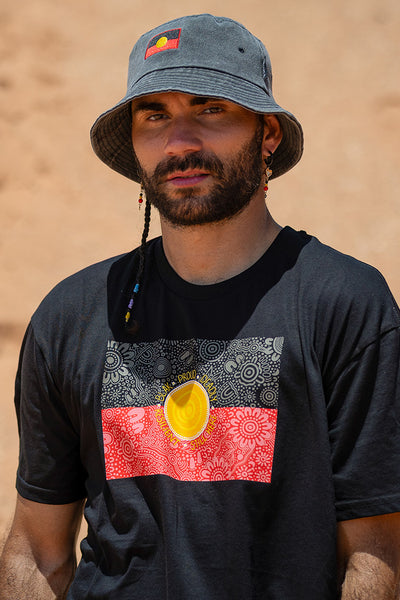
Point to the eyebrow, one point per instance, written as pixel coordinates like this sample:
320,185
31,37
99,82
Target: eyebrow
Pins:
149,105
146,105
198,100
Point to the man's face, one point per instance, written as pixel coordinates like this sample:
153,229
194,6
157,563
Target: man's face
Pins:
200,158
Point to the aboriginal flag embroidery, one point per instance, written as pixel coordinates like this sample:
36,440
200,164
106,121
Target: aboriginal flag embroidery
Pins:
168,40
195,410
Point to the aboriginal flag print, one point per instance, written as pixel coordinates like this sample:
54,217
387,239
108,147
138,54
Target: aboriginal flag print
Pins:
195,410
168,40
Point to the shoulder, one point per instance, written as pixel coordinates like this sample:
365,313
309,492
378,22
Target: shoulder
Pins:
84,284
338,296
82,300
334,274
346,302
333,267
76,305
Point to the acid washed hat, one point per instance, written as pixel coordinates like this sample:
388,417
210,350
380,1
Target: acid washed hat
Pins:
200,55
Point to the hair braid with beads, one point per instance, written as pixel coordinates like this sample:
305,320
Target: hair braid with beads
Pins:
132,325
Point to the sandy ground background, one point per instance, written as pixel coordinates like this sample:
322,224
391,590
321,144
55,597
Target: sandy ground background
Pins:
335,65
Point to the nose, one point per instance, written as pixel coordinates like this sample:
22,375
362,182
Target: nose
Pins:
182,137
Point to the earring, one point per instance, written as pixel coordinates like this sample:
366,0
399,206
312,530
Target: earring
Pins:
140,196
268,172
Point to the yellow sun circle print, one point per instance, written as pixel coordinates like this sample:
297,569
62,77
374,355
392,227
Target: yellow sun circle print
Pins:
187,410
161,42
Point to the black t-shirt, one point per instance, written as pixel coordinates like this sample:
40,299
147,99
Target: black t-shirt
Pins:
218,447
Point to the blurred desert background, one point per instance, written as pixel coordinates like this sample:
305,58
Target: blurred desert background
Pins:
335,66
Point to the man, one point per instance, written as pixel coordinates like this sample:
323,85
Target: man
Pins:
226,397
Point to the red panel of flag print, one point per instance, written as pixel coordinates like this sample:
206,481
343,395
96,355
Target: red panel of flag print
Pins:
236,443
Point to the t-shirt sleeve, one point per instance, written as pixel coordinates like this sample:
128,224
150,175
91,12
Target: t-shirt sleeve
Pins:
50,469
364,422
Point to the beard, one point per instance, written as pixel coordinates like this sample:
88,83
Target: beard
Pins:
236,184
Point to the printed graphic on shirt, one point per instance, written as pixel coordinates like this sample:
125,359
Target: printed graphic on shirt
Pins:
195,410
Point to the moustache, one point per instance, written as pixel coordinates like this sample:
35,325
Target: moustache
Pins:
198,160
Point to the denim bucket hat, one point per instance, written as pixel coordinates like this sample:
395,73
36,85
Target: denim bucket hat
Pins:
200,55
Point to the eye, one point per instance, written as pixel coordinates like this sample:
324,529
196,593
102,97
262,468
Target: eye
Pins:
156,117
213,109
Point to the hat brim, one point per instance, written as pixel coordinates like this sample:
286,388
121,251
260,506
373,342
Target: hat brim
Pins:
111,133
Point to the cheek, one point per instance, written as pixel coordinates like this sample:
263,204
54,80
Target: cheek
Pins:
144,148
143,158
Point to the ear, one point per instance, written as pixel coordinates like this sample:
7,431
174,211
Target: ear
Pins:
272,135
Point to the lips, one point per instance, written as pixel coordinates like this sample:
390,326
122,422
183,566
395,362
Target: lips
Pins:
182,178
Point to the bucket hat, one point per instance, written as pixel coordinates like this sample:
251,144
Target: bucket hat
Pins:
200,55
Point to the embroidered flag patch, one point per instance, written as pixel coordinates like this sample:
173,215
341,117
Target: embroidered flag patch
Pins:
168,40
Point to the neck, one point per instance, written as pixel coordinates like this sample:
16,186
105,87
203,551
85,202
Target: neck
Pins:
206,254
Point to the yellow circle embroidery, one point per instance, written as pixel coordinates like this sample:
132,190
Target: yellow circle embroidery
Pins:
161,42
187,410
